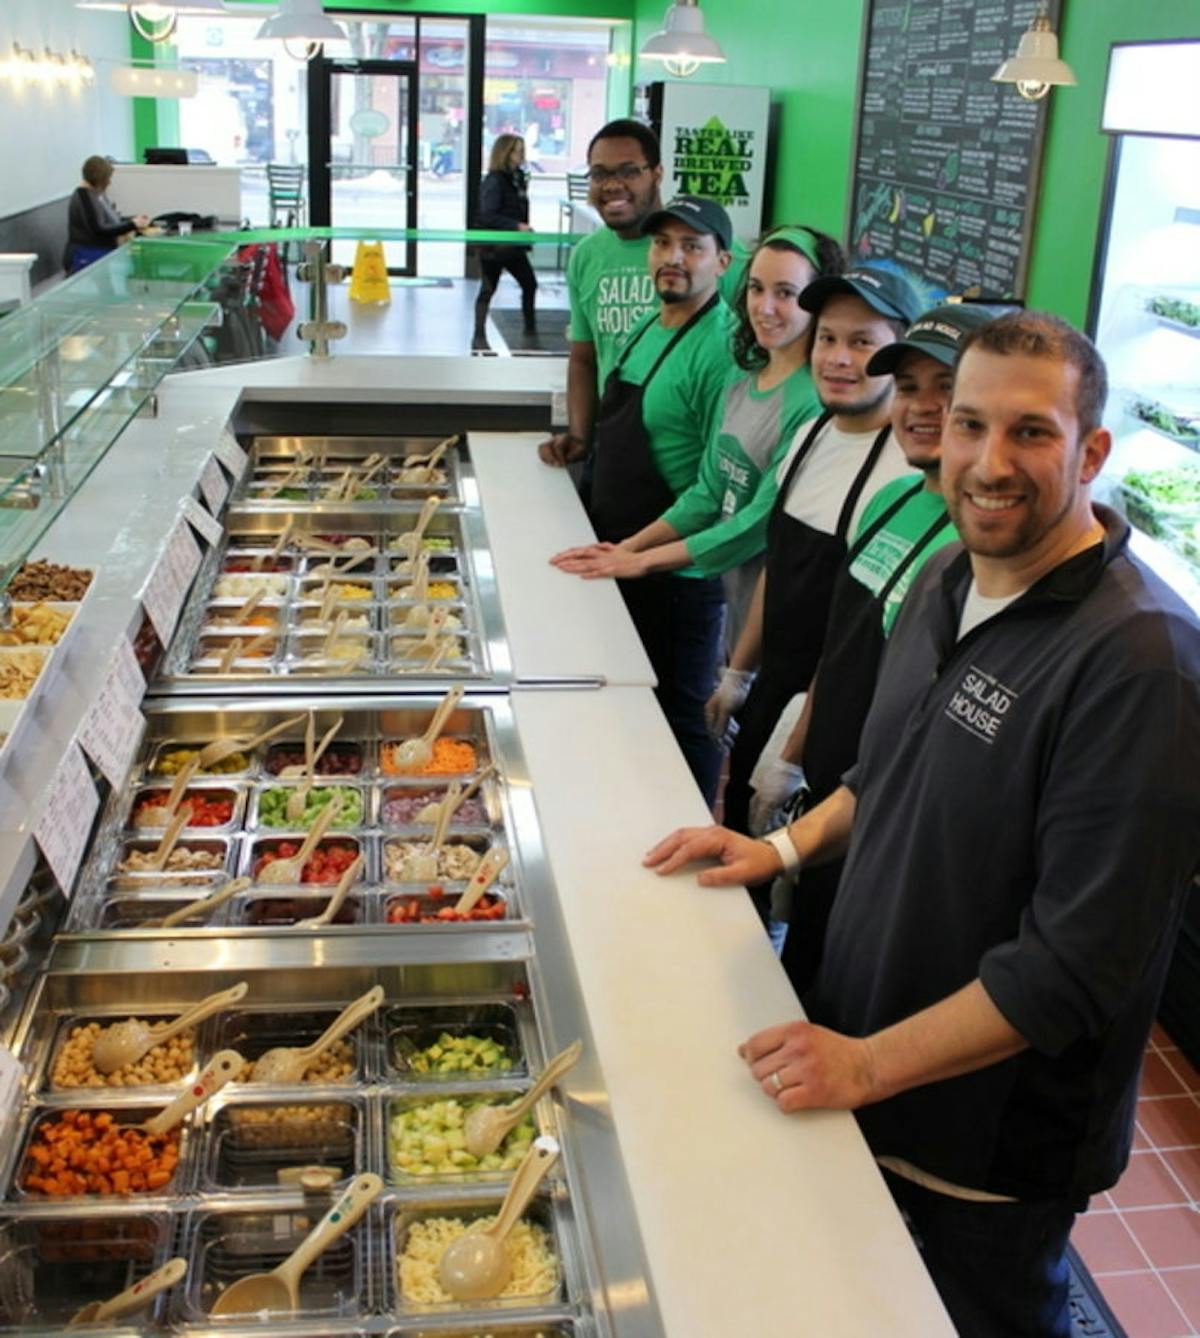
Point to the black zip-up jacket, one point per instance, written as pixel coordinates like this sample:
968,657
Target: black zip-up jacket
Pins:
504,201
1028,813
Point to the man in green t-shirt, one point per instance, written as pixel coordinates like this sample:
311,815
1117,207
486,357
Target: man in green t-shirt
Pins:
608,282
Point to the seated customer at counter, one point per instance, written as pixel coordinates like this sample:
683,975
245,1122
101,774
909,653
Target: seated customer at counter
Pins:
94,227
1022,826
719,525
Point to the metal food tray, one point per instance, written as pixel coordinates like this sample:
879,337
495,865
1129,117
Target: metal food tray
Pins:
108,902
288,652
324,460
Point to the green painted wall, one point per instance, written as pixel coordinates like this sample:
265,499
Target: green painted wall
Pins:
808,52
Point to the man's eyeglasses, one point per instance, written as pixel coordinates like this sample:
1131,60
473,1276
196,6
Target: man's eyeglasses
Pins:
626,172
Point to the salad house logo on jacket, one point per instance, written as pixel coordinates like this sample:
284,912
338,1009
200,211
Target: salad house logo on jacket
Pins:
980,704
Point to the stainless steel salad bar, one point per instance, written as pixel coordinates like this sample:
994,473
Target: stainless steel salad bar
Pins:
339,556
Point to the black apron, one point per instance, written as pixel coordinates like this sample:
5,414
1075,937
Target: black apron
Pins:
801,565
627,489
854,645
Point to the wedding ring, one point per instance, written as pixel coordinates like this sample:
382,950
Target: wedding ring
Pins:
776,1081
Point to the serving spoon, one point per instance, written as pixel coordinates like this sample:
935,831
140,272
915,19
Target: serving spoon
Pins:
224,1066
220,749
286,1064
299,797
477,1265
162,851
423,866
490,868
410,541
335,902
290,868
201,907
160,815
126,1042
412,472
280,1288
487,1127
414,753
135,1297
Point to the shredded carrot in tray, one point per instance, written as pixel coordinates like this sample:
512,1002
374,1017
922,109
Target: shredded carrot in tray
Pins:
451,757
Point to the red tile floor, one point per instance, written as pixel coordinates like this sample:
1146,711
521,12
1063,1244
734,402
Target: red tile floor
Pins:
1141,1240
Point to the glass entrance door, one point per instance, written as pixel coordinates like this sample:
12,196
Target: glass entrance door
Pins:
365,174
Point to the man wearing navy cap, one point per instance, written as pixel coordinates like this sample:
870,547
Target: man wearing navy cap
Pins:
659,409
905,523
838,462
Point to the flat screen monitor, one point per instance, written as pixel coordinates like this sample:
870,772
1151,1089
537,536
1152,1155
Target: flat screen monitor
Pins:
165,157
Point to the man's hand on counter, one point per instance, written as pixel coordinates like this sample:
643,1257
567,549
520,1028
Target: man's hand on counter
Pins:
561,449
803,1067
743,859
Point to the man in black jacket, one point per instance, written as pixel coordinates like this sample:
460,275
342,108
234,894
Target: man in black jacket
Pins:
1023,824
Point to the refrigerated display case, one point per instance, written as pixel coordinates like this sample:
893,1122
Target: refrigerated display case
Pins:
1145,310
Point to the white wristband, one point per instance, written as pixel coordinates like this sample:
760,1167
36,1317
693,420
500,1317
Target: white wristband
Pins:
782,842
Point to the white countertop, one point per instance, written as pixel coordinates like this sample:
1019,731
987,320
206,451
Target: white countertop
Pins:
753,1222
559,626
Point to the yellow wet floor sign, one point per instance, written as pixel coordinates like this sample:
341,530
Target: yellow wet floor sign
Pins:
369,278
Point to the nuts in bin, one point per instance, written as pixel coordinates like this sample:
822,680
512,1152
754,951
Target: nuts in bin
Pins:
167,1063
335,1065
288,1126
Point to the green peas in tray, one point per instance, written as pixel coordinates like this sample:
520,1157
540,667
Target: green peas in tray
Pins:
272,807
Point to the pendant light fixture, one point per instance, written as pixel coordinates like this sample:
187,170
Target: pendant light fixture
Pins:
682,45
154,20
302,21
1036,68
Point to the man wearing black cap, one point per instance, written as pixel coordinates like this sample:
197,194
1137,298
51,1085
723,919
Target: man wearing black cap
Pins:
656,416
838,462
905,523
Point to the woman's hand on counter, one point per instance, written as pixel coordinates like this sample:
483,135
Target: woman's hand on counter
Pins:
570,558
613,561
743,860
805,1067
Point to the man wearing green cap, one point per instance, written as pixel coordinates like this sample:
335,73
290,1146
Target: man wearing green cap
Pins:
905,523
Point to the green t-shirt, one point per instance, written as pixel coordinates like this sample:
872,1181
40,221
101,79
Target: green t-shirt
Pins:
874,566
610,290
682,404
723,515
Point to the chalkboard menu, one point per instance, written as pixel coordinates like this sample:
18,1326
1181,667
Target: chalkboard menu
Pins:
946,166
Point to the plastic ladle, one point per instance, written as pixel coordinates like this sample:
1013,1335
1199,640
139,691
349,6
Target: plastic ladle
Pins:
239,615
490,868
414,753
270,554
299,796
203,907
428,815
286,1064
290,868
279,1289
135,1297
220,749
424,472
410,541
160,815
162,852
298,770
477,1265
487,1126
126,1042
326,917
423,866
224,1066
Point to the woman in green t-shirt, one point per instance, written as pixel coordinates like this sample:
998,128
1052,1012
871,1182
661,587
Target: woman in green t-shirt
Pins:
719,525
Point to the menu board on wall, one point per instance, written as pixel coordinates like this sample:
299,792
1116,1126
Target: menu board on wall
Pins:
946,164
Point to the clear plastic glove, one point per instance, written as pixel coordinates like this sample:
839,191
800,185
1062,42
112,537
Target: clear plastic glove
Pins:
776,784
730,696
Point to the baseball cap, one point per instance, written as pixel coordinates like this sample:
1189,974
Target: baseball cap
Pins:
698,213
938,334
887,292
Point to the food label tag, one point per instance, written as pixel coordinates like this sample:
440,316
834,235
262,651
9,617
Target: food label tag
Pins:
113,725
229,452
205,526
11,1075
65,823
213,484
162,596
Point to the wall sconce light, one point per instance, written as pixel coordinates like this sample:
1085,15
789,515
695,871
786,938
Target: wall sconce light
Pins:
1036,68
682,44
49,70
154,81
